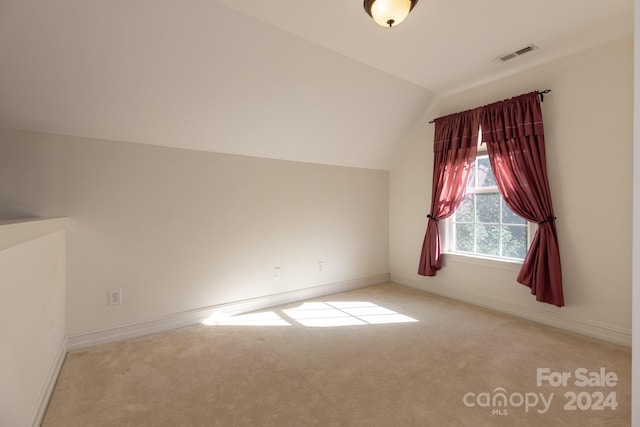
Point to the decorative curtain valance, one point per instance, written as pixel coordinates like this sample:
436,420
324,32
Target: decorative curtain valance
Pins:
517,117
456,131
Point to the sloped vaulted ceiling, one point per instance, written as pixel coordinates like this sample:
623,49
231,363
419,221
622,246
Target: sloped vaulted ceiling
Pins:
296,80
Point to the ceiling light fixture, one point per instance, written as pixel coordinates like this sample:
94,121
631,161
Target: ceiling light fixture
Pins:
389,13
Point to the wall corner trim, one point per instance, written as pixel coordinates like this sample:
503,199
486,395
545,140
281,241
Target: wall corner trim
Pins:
192,317
49,384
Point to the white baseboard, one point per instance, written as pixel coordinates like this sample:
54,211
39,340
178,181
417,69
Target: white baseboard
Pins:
191,317
535,314
47,389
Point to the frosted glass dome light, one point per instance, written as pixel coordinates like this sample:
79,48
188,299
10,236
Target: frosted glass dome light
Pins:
389,13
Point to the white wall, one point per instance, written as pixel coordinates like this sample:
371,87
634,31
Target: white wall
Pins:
588,128
32,317
635,369
179,230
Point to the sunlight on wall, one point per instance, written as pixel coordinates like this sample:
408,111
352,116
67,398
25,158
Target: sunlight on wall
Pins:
317,315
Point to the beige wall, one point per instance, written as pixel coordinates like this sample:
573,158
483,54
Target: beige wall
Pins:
635,369
32,317
179,230
588,128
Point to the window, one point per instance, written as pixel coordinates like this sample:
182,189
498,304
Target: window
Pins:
483,225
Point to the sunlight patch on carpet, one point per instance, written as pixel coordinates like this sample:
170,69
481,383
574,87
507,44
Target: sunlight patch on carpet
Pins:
344,313
317,314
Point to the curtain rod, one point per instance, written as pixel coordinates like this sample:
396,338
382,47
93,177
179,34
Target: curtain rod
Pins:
540,92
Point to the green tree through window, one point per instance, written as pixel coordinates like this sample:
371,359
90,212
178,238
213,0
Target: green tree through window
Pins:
483,224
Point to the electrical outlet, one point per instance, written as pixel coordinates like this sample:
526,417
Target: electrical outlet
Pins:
276,273
320,266
115,296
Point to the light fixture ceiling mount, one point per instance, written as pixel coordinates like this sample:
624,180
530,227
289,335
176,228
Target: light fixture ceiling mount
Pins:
389,13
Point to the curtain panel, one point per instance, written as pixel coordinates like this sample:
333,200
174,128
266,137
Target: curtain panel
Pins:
514,134
455,146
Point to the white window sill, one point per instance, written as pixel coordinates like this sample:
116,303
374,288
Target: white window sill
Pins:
501,264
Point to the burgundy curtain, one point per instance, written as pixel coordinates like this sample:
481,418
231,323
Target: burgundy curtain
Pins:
455,146
514,135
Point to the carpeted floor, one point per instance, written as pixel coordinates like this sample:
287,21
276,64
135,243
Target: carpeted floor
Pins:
443,363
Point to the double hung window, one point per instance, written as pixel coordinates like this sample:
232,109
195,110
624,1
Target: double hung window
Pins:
483,225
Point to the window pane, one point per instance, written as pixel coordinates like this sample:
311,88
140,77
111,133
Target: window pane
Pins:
487,238
464,213
464,237
488,208
472,177
485,175
514,241
508,217
483,224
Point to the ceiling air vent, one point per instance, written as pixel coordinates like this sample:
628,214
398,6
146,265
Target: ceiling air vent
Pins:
522,51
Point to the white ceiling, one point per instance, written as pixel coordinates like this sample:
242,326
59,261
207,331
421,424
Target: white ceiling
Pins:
289,79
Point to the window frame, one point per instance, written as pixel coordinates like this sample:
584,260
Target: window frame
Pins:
448,230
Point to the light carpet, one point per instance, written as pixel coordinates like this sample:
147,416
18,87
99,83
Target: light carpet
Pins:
442,363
